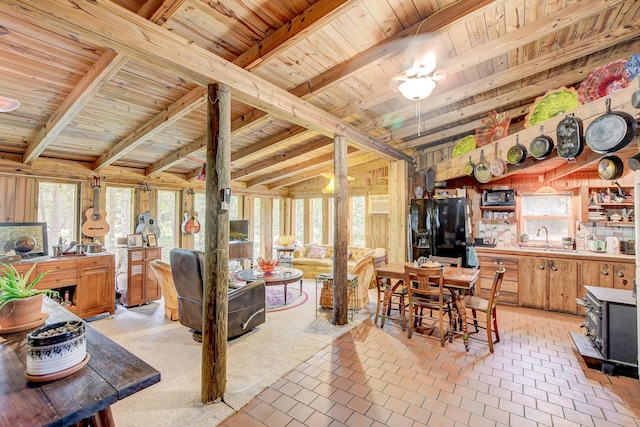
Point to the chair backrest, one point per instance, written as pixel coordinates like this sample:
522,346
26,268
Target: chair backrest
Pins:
187,269
364,269
424,281
495,287
454,262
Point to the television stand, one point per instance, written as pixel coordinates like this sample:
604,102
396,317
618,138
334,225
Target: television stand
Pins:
240,250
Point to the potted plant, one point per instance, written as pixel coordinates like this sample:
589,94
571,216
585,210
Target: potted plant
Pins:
20,301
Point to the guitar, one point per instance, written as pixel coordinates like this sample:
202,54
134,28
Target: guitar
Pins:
146,225
191,223
95,224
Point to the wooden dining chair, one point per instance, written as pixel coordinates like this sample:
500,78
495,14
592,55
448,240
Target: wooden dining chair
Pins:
425,288
483,311
452,261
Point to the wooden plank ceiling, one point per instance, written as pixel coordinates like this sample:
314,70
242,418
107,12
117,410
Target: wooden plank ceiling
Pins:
122,84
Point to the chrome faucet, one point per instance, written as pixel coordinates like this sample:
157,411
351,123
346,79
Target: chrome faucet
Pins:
546,236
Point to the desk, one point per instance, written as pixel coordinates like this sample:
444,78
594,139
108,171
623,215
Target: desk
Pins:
456,279
112,374
278,277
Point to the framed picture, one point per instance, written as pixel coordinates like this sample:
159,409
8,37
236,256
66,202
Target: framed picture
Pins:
28,239
134,241
151,240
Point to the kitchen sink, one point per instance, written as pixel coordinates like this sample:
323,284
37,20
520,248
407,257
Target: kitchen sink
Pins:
550,250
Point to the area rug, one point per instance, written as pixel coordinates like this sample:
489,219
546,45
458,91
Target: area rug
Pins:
274,297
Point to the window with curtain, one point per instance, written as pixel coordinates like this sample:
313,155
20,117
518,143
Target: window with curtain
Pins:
119,206
168,221
552,211
316,220
58,207
357,220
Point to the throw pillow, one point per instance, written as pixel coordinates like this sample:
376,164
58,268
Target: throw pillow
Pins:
318,252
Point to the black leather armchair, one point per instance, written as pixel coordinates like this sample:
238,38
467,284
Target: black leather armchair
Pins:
246,303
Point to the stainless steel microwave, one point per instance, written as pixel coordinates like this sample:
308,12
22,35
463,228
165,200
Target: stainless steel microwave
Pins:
499,198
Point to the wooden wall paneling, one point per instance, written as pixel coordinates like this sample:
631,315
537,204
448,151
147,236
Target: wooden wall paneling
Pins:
8,193
25,196
398,206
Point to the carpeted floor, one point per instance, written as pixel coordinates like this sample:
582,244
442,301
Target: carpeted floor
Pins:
254,361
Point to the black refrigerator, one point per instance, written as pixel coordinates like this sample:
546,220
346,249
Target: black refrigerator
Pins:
440,227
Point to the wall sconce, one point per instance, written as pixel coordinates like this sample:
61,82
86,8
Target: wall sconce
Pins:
203,173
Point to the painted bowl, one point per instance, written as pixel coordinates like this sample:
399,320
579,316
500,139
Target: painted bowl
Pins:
56,347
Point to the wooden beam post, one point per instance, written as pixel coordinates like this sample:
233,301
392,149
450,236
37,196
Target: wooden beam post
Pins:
216,254
340,202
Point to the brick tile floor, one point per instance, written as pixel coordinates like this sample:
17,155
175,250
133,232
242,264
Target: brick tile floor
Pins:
376,377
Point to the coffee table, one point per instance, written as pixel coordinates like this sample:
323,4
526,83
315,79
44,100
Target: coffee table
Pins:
282,276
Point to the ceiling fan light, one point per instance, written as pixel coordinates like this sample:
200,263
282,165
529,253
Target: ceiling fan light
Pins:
417,88
8,104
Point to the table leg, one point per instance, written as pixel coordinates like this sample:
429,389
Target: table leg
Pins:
378,301
462,312
300,287
285,294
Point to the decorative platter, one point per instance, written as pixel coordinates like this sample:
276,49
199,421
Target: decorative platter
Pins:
551,104
632,66
604,81
464,145
495,127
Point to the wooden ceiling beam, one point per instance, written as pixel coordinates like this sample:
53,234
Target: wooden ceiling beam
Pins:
176,157
276,159
279,138
294,169
101,72
106,23
302,26
160,11
189,102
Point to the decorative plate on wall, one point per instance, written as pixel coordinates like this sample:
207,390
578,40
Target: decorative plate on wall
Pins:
604,81
551,104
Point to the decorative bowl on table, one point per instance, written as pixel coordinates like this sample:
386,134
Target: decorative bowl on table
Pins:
56,347
268,266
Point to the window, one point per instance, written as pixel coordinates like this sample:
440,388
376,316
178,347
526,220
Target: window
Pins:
119,207
552,211
298,219
58,207
316,218
167,221
275,223
199,206
257,205
357,221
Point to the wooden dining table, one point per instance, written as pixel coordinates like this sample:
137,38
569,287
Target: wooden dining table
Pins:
457,280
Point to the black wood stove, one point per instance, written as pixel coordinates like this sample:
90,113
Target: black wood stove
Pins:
611,329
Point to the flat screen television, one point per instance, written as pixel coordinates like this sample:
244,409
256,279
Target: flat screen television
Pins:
239,229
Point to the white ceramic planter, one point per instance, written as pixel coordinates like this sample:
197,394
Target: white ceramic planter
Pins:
56,347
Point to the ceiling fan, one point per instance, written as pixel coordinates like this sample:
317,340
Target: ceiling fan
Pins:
419,78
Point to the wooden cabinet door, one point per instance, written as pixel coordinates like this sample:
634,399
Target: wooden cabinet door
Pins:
152,290
563,288
594,273
96,286
532,289
623,275
509,289
135,277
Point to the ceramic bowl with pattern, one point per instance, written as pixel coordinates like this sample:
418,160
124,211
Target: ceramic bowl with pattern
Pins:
56,347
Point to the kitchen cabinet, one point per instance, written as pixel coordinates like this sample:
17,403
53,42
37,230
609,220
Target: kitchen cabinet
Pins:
488,266
87,282
605,275
139,284
549,284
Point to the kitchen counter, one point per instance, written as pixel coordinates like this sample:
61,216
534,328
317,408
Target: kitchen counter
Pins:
556,253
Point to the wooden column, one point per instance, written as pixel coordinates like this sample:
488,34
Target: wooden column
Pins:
340,201
286,215
216,286
266,227
398,209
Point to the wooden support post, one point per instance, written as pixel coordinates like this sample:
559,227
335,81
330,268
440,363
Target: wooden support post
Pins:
216,254
340,201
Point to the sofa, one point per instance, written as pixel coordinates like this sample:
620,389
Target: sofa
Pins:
306,258
246,307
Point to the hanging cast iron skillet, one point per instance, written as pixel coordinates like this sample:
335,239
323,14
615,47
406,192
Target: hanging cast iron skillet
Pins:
610,167
541,146
611,132
634,161
570,140
469,167
482,171
517,154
